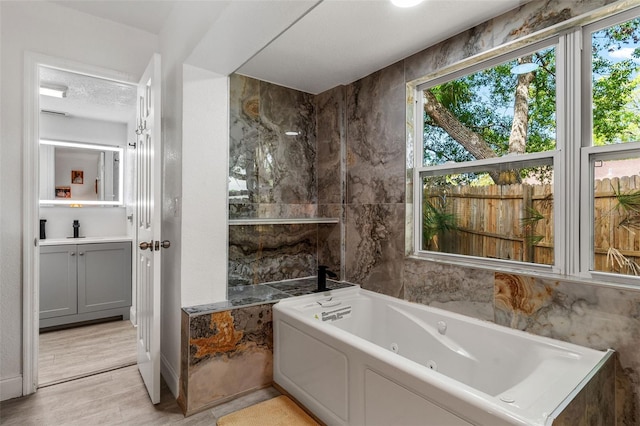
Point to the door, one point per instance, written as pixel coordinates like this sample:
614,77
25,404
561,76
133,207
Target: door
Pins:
148,230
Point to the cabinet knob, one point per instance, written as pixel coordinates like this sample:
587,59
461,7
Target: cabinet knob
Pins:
166,244
73,253
81,253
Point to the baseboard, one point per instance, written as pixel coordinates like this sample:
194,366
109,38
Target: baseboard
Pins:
170,376
10,388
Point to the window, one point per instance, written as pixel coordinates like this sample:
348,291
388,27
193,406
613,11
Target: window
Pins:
504,175
611,155
487,175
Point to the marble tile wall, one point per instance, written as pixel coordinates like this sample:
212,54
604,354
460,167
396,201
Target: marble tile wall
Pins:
277,169
274,175
330,119
224,355
264,253
375,178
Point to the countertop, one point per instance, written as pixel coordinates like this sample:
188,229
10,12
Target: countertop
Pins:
259,294
83,240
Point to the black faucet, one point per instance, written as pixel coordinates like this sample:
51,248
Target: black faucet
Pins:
76,229
322,278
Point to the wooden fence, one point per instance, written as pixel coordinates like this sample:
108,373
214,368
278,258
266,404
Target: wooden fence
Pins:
516,222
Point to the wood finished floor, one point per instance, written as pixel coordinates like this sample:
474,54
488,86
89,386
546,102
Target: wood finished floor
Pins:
116,397
76,352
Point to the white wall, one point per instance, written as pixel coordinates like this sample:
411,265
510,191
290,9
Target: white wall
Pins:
205,134
47,28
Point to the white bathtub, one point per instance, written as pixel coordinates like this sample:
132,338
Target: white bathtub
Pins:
369,359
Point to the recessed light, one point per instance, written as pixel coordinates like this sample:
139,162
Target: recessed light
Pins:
406,3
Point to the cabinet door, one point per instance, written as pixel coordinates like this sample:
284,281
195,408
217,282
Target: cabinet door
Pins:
58,281
104,276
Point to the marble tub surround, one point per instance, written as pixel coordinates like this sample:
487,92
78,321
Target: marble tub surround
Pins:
227,347
594,316
595,402
259,294
462,290
226,354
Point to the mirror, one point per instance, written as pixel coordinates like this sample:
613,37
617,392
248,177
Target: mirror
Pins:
78,173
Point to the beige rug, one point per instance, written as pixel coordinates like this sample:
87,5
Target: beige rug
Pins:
279,411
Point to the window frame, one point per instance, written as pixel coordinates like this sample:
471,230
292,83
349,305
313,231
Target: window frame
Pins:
589,152
552,156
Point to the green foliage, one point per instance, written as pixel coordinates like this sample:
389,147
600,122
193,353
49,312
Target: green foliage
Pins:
436,220
628,202
628,205
528,223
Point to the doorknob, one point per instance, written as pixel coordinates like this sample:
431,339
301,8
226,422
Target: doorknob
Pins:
164,244
145,245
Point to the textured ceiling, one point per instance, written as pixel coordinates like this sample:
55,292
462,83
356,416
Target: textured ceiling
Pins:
89,97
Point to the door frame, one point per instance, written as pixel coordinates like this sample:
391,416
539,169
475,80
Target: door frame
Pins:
31,200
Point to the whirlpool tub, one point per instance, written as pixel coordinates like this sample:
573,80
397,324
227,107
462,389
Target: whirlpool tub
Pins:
354,357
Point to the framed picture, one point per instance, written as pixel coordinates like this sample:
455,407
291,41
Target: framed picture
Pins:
77,177
63,192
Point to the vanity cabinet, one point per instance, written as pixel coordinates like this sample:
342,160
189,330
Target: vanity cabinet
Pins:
82,282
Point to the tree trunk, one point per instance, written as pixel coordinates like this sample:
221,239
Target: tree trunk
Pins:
475,143
520,124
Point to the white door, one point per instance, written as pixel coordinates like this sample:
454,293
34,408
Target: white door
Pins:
149,156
